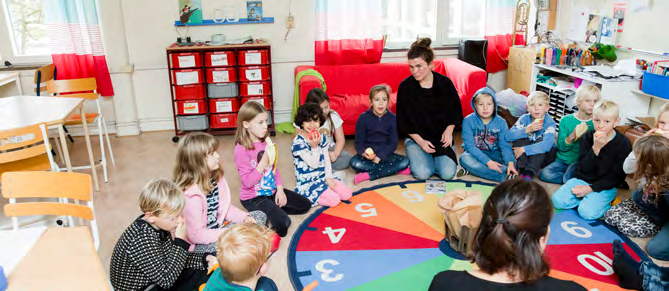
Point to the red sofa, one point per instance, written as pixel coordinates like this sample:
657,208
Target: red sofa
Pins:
348,86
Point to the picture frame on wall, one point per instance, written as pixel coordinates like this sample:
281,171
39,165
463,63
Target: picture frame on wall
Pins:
254,10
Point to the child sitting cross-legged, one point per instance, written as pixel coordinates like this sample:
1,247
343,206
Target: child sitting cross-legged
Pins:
600,166
572,127
243,255
487,153
376,140
147,257
533,136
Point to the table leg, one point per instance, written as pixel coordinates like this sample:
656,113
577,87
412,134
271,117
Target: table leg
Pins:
94,171
66,152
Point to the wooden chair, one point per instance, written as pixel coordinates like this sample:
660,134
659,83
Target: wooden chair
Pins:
42,75
64,186
26,149
85,88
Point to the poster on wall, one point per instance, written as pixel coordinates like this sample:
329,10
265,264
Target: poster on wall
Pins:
254,9
190,11
619,10
608,31
592,31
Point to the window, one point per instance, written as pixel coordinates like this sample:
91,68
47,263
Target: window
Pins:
444,21
23,38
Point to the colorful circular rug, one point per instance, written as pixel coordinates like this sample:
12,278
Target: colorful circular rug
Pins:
388,238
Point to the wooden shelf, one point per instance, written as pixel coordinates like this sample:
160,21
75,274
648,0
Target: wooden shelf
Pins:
636,91
225,22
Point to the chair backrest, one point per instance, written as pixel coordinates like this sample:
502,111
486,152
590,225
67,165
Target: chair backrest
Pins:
26,149
61,185
80,88
42,75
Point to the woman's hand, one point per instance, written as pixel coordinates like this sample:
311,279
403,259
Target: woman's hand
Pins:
427,146
447,136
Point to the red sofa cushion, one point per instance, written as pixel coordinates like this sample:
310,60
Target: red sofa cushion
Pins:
351,84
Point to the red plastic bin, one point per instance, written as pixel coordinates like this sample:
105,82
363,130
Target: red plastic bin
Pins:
264,100
223,120
186,60
219,59
254,88
187,76
190,107
221,75
189,92
253,57
223,105
254,73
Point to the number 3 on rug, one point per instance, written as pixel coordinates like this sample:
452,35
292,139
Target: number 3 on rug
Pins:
371,211
413,196
335,235
320,266
577,231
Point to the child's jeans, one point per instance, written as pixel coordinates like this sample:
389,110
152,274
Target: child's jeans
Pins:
424,165
332,198
479,169
532,164
392,164
591,206
278,216
558,172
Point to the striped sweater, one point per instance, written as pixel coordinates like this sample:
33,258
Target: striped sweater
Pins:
145,255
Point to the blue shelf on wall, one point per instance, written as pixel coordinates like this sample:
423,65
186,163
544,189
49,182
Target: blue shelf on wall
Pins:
225,22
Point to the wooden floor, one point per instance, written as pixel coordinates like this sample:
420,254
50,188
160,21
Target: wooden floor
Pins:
151,155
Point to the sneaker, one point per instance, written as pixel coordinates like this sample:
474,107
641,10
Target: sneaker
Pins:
462,172
526,177
511,176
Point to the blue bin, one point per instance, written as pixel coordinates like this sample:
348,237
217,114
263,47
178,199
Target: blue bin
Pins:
657,85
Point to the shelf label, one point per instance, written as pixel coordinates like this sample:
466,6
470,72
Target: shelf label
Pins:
224,120
254,75
255,89
186,61
253,59
223,106
191,108
221,76
219,60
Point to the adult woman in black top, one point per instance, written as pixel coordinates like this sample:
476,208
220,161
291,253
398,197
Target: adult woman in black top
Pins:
509,244
428,109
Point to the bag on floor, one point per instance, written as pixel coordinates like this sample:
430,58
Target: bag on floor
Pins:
462,211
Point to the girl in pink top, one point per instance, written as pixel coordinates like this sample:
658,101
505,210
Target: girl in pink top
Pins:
208,209
262,188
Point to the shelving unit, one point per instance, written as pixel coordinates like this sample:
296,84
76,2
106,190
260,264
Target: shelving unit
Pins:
210,83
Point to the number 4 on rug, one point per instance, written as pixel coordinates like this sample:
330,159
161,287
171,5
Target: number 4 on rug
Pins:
335,235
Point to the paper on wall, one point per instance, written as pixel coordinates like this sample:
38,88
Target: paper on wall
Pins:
579,22
223,106
185,78
255,89
221,76
191,108
253,75
186,61
219,60
253,58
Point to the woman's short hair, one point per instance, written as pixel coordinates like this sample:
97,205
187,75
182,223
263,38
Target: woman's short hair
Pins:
515,218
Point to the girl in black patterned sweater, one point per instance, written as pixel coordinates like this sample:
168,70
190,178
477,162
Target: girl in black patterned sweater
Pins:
146,257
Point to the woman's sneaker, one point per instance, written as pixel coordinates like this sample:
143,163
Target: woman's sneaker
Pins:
462,172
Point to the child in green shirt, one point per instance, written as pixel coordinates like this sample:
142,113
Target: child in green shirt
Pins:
571,128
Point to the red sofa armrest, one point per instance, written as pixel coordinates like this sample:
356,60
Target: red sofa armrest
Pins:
467,80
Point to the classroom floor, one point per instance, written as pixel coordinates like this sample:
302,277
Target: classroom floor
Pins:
151,155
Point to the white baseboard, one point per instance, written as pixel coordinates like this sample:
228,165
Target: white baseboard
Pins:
283,115
156,124
128,128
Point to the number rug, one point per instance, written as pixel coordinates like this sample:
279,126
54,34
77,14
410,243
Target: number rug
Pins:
388,238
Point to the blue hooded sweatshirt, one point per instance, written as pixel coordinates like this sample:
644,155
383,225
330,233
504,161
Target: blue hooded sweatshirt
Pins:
542,140
485,141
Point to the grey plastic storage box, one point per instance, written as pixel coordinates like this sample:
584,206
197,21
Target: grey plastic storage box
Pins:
193,122
222,90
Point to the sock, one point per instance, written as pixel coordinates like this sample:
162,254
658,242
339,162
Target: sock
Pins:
364,176
406,171
626,268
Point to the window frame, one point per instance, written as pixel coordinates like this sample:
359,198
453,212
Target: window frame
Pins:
7,42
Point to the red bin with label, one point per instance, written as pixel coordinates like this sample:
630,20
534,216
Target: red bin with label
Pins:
186,60
254,88
223,120
189,107
219,59
221,75
264,100
223,105
254,73
189,92
253,57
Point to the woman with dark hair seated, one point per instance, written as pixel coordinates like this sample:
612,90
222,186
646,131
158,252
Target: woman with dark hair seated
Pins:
509,244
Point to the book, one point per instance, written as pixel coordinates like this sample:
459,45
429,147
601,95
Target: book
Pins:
435,187
254,10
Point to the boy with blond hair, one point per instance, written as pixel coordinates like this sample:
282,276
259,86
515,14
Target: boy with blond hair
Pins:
600,166
243,255
572,127
146,257
533,136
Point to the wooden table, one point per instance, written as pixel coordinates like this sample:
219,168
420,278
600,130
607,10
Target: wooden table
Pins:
22,111
6,78
62,259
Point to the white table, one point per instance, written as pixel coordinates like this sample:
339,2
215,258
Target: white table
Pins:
61,259
22,111
7,78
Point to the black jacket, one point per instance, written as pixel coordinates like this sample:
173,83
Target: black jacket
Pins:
606,170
